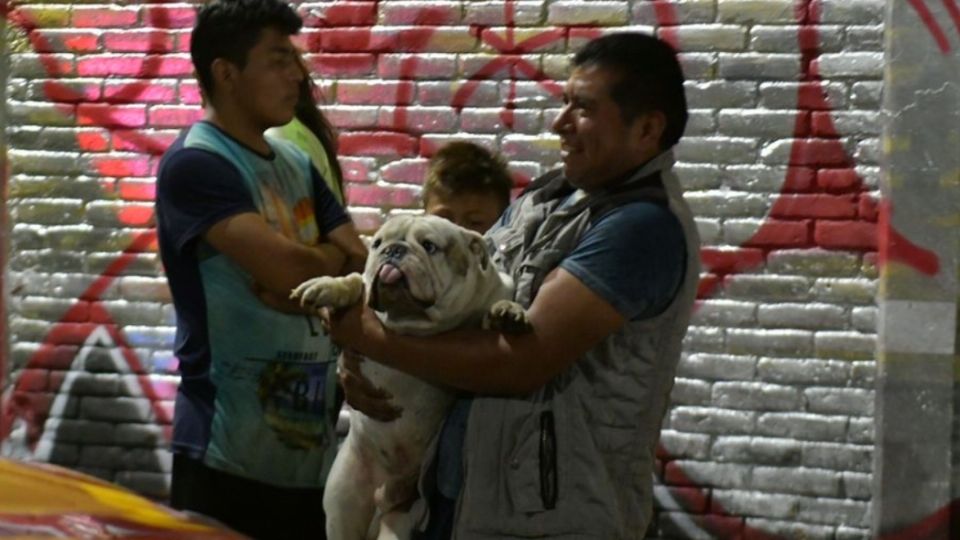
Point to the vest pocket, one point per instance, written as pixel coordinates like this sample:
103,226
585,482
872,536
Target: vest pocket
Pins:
532,468
548,461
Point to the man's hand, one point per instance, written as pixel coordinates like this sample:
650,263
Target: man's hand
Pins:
355,327
361,394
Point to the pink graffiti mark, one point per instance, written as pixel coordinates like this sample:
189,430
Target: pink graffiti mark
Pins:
820,174
22,401
823,202
508,57
25,403
930,21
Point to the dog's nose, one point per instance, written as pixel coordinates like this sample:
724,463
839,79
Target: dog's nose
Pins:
395,251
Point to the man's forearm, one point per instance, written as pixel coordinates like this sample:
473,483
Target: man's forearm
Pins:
483,362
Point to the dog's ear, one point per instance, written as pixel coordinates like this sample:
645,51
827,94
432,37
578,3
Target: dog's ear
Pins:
478,246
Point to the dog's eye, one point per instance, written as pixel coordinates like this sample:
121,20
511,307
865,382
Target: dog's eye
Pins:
376,243
429,247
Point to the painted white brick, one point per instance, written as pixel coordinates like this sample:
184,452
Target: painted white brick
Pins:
813,262
806,316
866,94
497,13
756,122
789,343
594,13
759,178
721,94
724,150
850,401
685,445
117,409
845,345
698,176
864,38
803,372
758,450
711,37
783,95
845,290
725,203
857,485
755,396
709,230
801,481
754,66
704,339
690,392
700,122
757,504
768,287
717,366
686,12
711,420
835,512
791,529
786,38
868,65
716,312
852,11
723,475
803,426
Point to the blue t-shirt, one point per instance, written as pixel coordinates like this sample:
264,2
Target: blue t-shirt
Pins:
633,257
257,385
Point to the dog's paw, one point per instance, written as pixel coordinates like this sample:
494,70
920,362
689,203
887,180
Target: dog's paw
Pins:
326,291
507,317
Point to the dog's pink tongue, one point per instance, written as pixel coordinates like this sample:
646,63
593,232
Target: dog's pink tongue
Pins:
390,274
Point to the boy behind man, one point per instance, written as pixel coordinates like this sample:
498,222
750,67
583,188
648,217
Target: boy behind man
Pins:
467,185
240,219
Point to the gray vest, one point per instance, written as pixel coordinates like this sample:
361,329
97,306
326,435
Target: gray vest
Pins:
575,459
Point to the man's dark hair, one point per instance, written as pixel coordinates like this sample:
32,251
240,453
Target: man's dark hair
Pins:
650,78
230,28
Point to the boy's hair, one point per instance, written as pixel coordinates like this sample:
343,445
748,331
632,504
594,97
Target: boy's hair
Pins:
463,167
228,29
651,78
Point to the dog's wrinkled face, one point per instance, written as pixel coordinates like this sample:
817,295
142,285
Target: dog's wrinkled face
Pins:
424,273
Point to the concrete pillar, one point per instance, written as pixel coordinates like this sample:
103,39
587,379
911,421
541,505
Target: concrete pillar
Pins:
4,224
914,471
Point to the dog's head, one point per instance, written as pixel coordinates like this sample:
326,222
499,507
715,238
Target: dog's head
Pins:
424,274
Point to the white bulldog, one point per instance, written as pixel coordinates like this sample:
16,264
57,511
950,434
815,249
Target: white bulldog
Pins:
424,275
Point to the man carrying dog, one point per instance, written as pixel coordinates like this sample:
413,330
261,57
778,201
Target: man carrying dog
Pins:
241,219
559,439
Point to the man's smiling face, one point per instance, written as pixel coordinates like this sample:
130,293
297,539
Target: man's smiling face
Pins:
597,146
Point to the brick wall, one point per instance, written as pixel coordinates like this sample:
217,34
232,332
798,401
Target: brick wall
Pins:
771,429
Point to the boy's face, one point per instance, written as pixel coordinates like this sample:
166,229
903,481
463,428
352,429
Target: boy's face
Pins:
476,211
267,87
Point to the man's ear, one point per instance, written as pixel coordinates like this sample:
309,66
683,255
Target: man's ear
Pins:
224,74
649,127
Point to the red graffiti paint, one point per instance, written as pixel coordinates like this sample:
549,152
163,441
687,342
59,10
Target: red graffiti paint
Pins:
930,21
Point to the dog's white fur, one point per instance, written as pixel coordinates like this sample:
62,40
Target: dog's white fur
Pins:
424,275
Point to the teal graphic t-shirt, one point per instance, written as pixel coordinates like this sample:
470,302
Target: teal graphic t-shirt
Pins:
258,391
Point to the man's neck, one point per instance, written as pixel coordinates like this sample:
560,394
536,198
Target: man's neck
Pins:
238,128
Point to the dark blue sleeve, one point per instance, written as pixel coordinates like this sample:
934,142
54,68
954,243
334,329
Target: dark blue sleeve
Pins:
634,258
195,190
327,210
